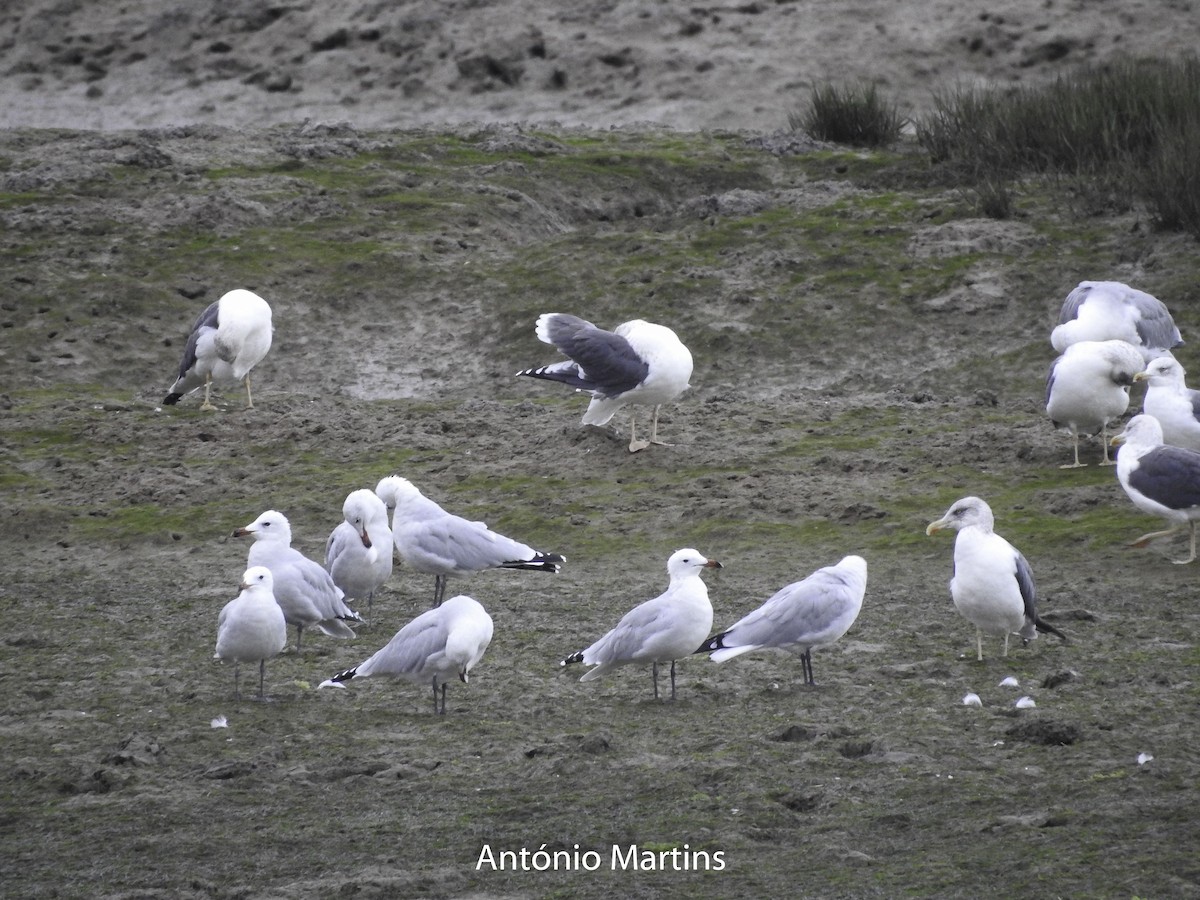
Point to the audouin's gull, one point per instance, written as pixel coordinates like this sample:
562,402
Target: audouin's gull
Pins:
1088,387
440,644
228,340
435,542
667,628
302,587
1172,402
1110,310
811,613
251,627
992,586
358,553
1160,480
638,363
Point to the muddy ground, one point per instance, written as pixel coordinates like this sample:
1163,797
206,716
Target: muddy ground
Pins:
867,350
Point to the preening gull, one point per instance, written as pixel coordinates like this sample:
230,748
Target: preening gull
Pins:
1160,480
1172,402
1110,310
638,363
1088,387
228,340
435,542
358,553
993,585
438,645
811,613
303,588
251,627
667,628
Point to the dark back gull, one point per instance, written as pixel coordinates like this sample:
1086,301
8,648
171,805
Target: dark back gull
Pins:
1159,479
229,339
637,364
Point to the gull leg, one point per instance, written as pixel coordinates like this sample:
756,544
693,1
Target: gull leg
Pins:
806,667
672,679
435,702
262,674
1006,643
654,430
299,629
1077,464
979,644
207,404
1104,443
249,399
237,694
654,675
1154,535
439,590
1192,544
634,444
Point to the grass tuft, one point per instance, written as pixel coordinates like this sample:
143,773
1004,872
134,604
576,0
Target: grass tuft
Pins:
854,114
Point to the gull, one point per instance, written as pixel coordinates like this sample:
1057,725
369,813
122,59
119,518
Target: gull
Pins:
667,628
358,553
228,340
251,627
1160,480
638,363
303,588
1110,310
435,542
1088,387
993,585
435,647
811,613
1172,402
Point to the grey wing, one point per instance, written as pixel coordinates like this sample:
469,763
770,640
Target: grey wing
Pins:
805,611
1050,376
1024,575
1155,326
1070,307
607,362
339,541
469,545
407,653
630,634
1169,475
207,319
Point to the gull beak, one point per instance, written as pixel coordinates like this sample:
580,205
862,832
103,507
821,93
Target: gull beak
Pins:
366,539
1141,376
1118,440
713,564
935,526
242,532
243,586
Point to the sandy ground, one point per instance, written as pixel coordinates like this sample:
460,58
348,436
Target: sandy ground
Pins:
835,408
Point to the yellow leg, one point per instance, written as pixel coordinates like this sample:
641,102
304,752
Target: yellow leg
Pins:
207,404
634,444
249,399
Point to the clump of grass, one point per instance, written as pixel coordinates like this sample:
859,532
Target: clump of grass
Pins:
1127,130
849,114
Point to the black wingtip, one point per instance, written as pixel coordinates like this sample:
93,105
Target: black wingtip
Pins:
172,399
716,642
573,658
345,676
1046,628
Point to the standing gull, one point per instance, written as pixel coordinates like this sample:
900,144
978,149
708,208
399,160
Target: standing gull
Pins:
1160,480
228,340
358,553
303,588
435,647
1110,310
639,363
669,627
1172,402
435,542
992,586
251,627
811,613
1088,387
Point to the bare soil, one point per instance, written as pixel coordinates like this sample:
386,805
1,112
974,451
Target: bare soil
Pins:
867,349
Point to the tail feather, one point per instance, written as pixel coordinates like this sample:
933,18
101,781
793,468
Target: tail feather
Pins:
572,659
541,562
345,676
335,628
